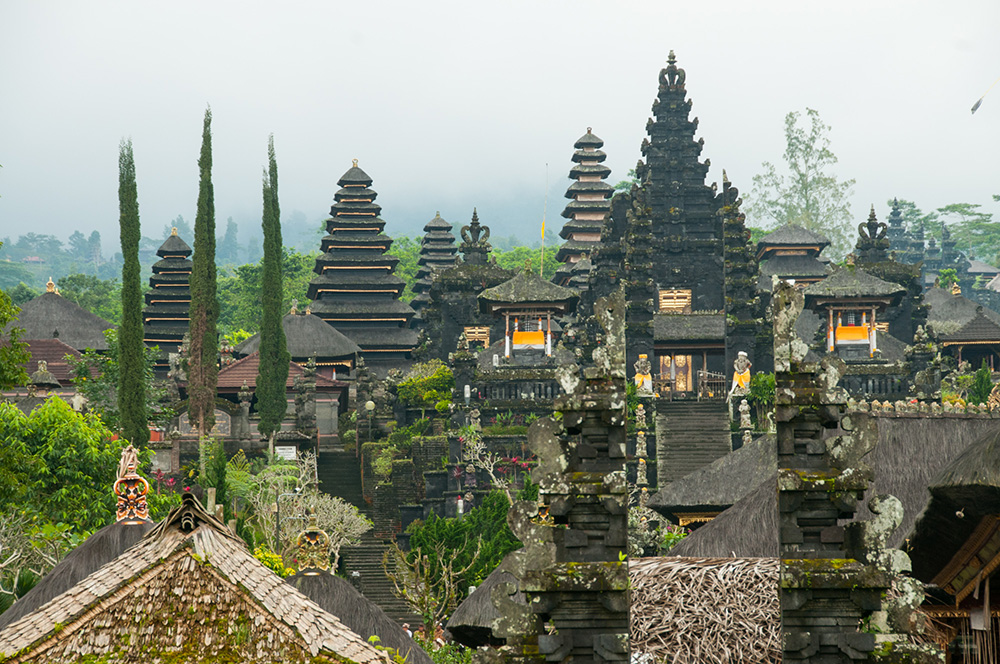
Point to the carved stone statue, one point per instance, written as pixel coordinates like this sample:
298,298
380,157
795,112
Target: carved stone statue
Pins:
474,420
643,375
640,473
741,375
640,444
640,416
745,415
747,437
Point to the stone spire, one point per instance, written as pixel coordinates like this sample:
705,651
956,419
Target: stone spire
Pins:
437,252
897,228
586,212
872,245
475,245
167,313
356,290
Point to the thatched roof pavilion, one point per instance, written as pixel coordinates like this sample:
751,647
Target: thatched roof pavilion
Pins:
684,610
198,595
910,453
360,614
51,316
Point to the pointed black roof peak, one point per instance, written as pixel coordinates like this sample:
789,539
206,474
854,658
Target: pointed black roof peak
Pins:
354,176
588,140
174,246
437,224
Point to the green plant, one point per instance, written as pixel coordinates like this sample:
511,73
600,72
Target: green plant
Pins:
426,385
761,395
272,561
982,385
382,464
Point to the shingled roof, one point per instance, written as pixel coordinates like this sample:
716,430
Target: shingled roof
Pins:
51,316
849,282
231,376
53,352
948,312
199,593
307,335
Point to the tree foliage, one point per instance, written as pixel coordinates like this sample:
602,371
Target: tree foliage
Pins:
13,352
810,195
97,378
101,297
132,411
203,368
272,401
240,287
426,384
973,230
982,385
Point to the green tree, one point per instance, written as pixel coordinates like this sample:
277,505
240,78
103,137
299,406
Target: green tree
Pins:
13,352
982,385
973,230
626,184
101,297
131,386
916,218
182,226
203,366
229,246
22,293
97,377
272,401
810,195
407,250
78,246
517,257
239,290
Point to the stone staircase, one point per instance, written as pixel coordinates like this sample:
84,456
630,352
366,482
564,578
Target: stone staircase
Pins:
339,475
689,436
362,564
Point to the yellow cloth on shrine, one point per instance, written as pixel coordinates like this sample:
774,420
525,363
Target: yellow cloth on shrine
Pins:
742,380
529,339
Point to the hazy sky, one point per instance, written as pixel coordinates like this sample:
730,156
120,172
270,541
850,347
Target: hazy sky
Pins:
450,105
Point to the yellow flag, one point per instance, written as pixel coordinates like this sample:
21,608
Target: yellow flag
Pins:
543,228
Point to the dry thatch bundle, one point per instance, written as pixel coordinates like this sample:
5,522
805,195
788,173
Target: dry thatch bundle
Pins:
705,610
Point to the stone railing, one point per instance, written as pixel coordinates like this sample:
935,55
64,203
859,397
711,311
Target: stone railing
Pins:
913,407
495,391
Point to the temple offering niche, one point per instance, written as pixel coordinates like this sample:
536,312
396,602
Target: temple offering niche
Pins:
585,213
849,302
527,304
356,290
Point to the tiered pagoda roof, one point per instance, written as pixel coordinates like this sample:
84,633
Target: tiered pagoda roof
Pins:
167,313
355,289
437,252
792,252
586,211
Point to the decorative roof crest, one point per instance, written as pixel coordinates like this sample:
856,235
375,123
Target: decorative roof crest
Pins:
173,231
50,286
131,489
672,76
313,548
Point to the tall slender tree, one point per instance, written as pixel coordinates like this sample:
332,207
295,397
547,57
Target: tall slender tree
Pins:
131,358
203,351
274,357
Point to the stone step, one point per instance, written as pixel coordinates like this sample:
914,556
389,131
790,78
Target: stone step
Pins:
339,475
366,560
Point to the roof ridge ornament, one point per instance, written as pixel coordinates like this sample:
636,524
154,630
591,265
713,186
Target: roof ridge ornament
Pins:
131,489
672,76
173,231
50,286
354,163
312,548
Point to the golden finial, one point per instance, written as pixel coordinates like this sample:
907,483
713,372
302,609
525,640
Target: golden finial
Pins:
50,286
295,306
309,310
956,289
355,162
173,231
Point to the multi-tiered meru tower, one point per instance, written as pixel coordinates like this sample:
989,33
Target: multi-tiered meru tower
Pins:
167,314
437,252
356,290
586,212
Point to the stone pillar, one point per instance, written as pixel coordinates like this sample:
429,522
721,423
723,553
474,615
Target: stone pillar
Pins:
574,569
833,578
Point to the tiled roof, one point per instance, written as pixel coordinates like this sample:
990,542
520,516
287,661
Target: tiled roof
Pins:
232,375
848,282
189,544
54,352
979,329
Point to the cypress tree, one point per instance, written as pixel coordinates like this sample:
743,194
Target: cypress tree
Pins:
131,358
203,351
274,357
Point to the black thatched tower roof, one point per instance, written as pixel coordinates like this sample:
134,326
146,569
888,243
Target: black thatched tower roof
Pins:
437,252
792,236
307,336
472,623
167,313
355,289
102,547
852,283
51,316
979,329
587,210
357,612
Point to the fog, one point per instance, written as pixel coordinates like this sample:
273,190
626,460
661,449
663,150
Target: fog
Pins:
450,105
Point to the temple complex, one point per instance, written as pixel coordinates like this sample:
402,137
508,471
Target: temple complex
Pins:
166,316
585,213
